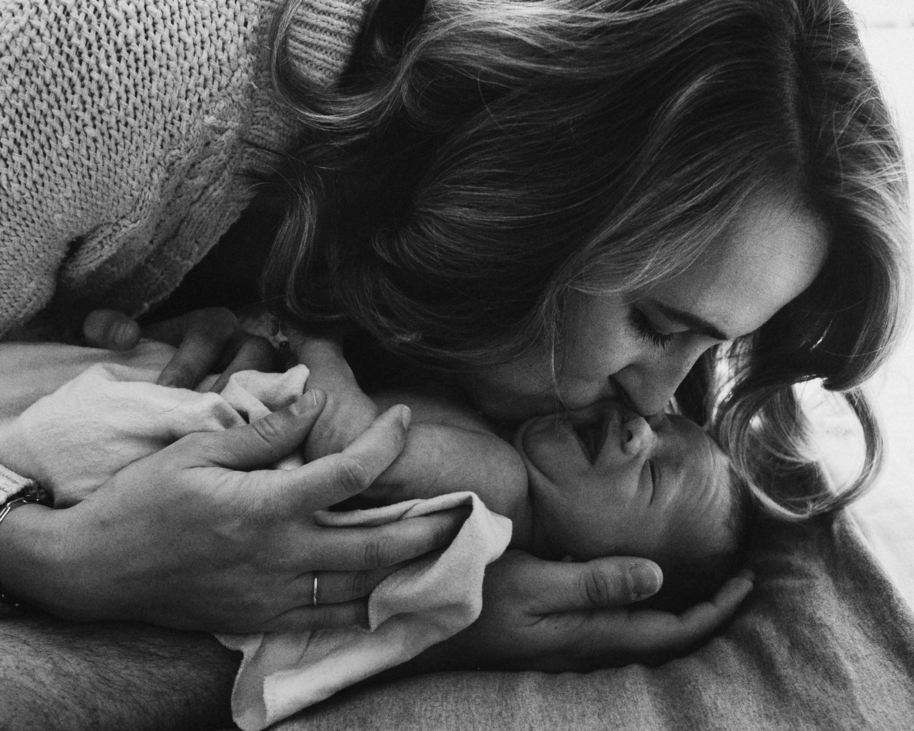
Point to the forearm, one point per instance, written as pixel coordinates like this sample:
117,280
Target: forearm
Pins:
440,459
449,448
60,675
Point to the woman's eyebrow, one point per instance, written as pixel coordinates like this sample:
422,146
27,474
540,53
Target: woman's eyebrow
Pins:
691,320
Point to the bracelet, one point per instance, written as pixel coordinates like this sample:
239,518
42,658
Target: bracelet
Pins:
31,493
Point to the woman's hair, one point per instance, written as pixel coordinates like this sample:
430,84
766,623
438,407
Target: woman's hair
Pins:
482,159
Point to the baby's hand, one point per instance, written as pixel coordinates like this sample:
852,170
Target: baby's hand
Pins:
348,411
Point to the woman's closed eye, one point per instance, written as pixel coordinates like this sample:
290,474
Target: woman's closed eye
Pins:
646,330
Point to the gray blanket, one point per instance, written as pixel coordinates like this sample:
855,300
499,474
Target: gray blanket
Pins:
824,642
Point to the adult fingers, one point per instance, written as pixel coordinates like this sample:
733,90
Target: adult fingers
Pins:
334,478
654,635
335,587
260,443
111,329
598,584
704,618
219,323
201,338
323,616
338,587
355,549
339,592
252,354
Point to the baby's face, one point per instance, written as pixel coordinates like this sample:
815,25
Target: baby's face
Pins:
606,483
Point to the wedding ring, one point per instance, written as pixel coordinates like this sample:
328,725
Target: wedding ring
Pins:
314,590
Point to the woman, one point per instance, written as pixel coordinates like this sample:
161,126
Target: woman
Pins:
490,185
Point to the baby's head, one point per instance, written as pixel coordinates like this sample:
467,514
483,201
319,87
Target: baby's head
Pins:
607,483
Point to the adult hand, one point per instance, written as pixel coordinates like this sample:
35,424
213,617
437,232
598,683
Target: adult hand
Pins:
207,340
195,537
543,615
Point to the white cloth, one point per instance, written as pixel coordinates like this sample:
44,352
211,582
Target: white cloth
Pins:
111,414
414,608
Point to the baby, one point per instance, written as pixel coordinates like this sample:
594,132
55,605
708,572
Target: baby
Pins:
575,486
578,486
581,485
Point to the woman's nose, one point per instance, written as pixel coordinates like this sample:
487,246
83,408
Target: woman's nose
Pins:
646,397
649,387
637,436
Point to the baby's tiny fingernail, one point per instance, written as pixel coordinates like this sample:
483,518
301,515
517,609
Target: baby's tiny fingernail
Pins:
644,580
406,416
305,403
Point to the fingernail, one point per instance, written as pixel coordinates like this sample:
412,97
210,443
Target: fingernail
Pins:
747,574
644,579
406,416
123,334
305,403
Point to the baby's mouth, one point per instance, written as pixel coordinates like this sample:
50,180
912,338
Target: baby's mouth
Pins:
591,434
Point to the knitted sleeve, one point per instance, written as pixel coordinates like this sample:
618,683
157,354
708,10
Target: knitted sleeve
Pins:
124,138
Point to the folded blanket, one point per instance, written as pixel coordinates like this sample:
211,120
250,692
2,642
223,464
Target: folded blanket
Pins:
111,414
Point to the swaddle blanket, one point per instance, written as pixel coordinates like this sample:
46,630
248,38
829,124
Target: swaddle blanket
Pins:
111,414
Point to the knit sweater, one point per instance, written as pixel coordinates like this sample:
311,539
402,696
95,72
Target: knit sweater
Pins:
125,131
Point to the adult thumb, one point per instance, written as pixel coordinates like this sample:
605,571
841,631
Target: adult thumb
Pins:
266,440
111,329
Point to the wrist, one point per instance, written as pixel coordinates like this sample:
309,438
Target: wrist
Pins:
25,548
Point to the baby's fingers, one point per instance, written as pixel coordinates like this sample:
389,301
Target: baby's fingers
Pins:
336,477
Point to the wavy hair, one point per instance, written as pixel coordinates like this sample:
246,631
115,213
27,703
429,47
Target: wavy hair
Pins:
482,159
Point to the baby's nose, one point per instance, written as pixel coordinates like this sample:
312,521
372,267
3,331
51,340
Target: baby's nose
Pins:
637,435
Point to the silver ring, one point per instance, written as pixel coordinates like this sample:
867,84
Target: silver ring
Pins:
314,590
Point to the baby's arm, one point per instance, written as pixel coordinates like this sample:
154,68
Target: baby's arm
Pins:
450,449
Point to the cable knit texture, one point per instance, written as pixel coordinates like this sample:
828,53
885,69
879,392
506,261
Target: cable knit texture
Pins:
123,139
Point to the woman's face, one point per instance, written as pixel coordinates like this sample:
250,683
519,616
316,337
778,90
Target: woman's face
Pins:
638,346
